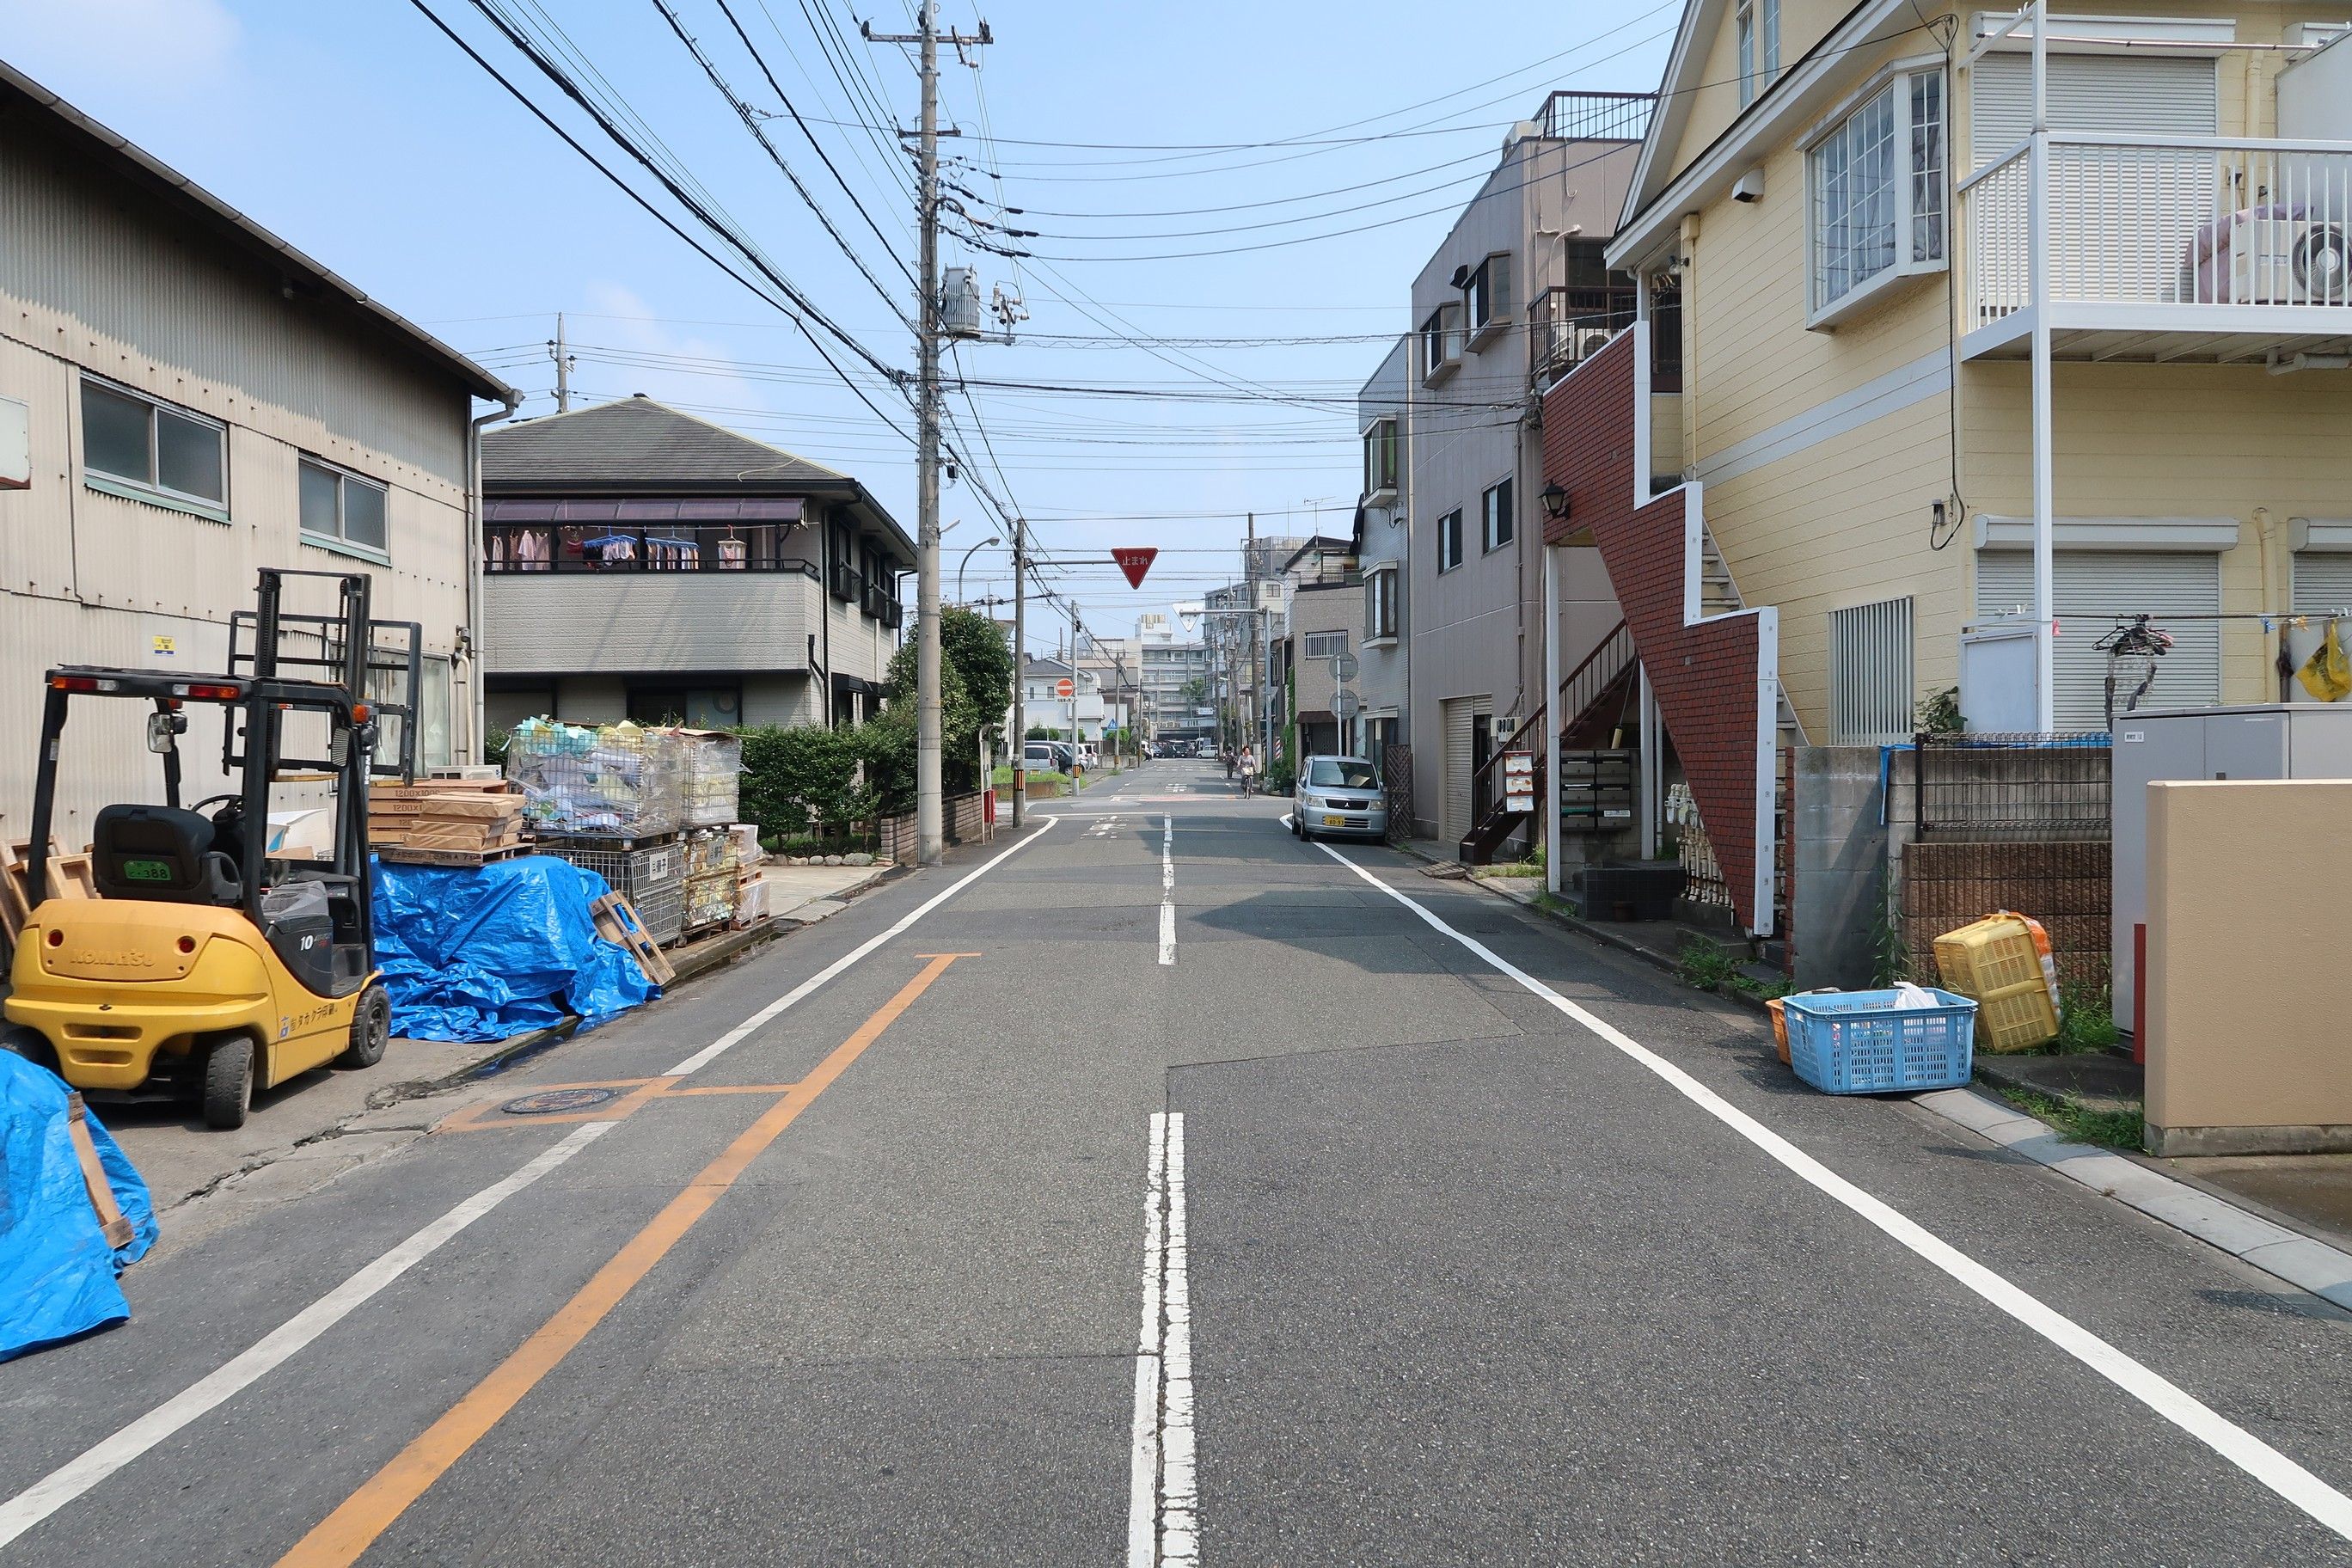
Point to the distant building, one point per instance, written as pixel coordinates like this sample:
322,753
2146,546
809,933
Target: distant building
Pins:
644,563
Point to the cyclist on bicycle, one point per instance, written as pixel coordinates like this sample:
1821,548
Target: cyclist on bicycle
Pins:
1248,769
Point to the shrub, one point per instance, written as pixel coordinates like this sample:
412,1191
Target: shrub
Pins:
802,782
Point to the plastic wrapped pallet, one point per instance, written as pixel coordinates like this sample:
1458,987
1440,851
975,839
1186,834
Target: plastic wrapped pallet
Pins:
714,774
709,898
621,781
751,902
748,852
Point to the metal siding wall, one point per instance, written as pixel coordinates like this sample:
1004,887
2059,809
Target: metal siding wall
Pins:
555,623
94,278
95,271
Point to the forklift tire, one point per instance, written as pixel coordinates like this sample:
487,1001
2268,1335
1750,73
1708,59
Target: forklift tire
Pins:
228,1081
30,1044
371,1028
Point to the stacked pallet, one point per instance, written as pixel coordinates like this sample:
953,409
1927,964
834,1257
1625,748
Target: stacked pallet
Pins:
446,822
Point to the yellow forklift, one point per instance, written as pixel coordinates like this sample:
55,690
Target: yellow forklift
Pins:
230,951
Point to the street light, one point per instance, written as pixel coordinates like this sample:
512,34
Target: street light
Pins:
983,544
1555,502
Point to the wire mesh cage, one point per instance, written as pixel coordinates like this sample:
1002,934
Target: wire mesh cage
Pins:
712,787
620,781
651,877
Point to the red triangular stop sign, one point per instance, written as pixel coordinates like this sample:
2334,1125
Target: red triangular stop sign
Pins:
1135,563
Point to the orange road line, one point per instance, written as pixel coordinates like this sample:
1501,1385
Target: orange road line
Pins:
340,1538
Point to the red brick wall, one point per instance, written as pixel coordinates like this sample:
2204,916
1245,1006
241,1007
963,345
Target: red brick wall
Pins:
1705,675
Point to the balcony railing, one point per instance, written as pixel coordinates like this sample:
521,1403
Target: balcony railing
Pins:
523,547
2157,223
1568,326
1597,116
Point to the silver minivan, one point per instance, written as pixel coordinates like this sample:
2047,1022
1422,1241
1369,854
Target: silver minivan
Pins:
1338,796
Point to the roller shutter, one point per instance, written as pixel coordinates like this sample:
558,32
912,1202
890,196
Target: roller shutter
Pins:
1459,719
2323,581
2091,588
2141,95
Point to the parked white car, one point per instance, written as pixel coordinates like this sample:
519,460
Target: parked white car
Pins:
1338,795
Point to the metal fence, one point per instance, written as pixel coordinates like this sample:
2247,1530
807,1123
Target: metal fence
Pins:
2015,821
1396,778
1981,787
1569,116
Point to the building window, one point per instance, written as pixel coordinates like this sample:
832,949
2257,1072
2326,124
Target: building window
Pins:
1323,645
1449,541
342,506
1878,189
1379,602
1487,295
1380,458
1441,346
1759,46
1870,674
1497,523
168,453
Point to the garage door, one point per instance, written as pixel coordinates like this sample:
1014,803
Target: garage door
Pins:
2092,588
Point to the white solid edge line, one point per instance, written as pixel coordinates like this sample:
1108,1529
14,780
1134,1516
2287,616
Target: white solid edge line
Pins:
77,1474
2257,1459
1143,1456
1179,1527
744,1030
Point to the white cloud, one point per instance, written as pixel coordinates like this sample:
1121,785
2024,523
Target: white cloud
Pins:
168,47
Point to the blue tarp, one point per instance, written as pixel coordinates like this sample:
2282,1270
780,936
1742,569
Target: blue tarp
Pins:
56,1273
483,953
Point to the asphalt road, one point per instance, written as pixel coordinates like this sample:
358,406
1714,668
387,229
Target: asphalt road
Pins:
1504,1253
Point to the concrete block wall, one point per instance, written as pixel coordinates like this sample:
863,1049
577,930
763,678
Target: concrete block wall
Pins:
1837,859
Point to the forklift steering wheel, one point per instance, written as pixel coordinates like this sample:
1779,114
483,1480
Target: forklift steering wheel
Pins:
217,800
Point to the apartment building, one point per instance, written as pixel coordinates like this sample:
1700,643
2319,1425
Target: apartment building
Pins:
1915,335
184,397
643,564
1380,542
1519,288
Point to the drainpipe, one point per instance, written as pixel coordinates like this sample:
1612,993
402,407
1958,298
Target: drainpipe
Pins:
476,546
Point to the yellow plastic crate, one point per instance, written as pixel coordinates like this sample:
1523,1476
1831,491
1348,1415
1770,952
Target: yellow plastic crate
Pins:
1999,964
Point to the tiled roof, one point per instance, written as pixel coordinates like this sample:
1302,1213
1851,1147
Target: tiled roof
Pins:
642,445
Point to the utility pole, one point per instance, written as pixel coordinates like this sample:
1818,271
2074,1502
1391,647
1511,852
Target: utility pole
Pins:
561,354
931,836
1020,670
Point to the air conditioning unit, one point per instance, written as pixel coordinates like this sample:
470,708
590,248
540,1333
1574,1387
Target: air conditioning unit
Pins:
2287,260
1591,341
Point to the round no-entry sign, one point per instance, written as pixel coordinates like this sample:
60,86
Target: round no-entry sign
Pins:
1065,689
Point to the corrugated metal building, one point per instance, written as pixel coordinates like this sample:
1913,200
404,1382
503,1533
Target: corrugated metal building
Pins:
183,399
644,563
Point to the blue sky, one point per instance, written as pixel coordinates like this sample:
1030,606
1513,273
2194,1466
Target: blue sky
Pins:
360,134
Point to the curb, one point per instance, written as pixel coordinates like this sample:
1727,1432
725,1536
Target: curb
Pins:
2283,1254
1500,887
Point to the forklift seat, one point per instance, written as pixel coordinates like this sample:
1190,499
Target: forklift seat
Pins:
161,855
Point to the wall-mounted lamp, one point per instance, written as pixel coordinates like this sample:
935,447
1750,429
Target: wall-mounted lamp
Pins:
1555,502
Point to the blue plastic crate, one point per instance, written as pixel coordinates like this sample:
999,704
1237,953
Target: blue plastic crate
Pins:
1860,1042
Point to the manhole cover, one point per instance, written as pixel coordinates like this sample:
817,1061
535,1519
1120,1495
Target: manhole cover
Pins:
560,1101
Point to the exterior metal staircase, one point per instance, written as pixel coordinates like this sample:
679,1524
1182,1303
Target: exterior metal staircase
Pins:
1596,695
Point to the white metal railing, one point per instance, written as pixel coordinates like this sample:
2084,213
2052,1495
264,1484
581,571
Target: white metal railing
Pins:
2153,221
